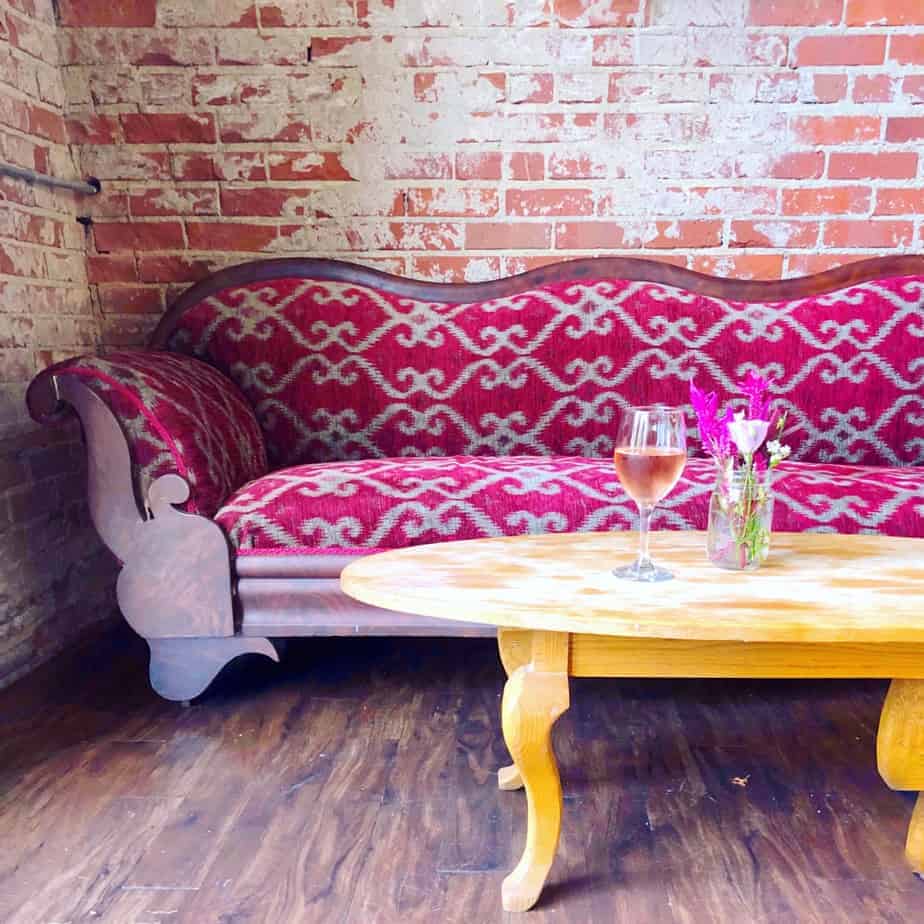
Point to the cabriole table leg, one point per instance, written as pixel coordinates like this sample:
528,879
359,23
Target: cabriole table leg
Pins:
900,754
514,648
535,696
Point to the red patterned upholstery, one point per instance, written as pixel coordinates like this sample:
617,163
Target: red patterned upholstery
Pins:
179,415
389,503
337,371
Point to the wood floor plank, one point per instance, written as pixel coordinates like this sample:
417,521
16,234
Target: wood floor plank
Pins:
356,784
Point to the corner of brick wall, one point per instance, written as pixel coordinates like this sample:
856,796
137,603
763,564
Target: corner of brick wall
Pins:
55,576
757,138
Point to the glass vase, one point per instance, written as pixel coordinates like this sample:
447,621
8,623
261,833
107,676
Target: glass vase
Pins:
740,518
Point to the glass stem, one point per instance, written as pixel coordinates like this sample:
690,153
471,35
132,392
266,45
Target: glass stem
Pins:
644,521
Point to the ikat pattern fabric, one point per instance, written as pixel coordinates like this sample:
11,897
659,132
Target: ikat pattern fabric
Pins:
179,415
336,371
392,503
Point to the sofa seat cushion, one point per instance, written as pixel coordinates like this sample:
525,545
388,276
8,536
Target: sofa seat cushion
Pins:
390,503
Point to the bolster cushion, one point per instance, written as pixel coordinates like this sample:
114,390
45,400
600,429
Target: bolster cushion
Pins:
178,415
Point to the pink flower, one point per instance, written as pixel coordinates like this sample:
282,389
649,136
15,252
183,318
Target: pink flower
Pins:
748,435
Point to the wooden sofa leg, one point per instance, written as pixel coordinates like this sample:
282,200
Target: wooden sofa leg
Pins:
181,668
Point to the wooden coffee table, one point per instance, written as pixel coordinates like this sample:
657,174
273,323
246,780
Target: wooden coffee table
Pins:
823,605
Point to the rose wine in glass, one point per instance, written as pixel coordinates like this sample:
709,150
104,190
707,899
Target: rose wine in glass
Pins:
651,450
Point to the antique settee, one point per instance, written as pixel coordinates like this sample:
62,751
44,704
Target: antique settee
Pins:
289,415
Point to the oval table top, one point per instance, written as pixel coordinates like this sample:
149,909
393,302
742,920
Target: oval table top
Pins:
814,587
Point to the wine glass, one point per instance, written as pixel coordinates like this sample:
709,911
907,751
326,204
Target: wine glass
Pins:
651,450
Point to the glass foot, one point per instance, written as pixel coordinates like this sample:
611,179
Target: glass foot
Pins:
645,571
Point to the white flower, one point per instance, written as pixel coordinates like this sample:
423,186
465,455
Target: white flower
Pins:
778,451
748,435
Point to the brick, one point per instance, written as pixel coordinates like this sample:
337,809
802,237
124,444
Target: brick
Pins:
668,13
655,127
168,128
739,265
234,166
403,165
907,49
733,200
913,88
600,235
111,14
874,88
581,88
557,201
221,236
826,200
682,87
868,234
173,200
899,201
234,14
161,49
456,268
233,90
768,233
425,235
263,123
242,47
530,88
111,268
901,129
93,128
613,50
307,165
799,165
505,235
268,201
888,165
548,127
481,165
147,235
825,130
452,202
795,12
36,229
805,264
690,163
884,13
581,166
47,123
829,50
130,300
329,14
824,88
587,14
122,163
524,166
14,113
173,268
718,47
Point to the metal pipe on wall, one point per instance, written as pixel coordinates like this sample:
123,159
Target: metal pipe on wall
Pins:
86,187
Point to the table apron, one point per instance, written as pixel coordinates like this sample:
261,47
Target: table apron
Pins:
612,656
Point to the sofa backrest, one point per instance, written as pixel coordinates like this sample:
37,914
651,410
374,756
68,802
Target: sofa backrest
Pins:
340,369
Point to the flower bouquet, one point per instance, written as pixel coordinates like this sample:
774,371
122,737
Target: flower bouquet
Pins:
741,506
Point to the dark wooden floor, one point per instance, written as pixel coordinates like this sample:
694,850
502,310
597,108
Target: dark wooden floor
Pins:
357,783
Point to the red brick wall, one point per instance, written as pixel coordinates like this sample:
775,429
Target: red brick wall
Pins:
54,573
471,140
444,140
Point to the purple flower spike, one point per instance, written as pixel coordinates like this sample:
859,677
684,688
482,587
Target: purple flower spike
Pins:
755,387
713,431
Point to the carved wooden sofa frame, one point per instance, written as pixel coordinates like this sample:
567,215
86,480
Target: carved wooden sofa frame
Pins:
180,586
